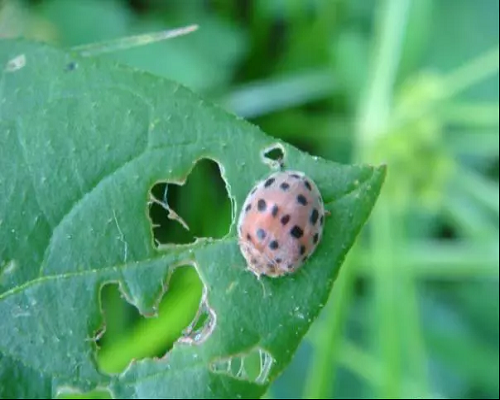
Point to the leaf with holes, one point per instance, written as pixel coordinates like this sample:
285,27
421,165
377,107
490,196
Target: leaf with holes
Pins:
83,142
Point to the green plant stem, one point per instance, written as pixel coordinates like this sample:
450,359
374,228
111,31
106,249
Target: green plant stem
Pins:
413,340
373,121
327,346
395,301
376,104
386,299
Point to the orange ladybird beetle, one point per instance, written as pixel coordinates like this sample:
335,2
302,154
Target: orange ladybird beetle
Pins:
281,223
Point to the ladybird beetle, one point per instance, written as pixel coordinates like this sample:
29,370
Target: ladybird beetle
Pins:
281,223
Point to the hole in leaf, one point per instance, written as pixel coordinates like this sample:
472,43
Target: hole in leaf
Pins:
199,208
274,155
71,66
254,366
129,336
202,325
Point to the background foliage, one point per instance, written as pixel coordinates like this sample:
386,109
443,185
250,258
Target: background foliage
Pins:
413,84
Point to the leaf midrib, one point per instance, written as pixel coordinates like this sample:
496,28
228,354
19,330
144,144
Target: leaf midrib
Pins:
175,250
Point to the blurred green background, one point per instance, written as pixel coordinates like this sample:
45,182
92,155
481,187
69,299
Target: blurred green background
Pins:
414,84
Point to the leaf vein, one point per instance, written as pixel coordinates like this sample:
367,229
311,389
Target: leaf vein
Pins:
30,174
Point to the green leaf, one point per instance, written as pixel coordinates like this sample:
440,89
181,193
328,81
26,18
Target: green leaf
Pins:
82,143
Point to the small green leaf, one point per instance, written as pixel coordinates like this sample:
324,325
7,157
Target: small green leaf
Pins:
82,142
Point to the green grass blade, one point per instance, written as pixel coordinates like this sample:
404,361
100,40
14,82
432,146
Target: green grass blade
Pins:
94,49
265,97
328,341
480,189
471,73
476,115
433,260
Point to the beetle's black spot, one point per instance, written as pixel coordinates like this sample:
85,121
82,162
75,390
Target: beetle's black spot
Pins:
273,245
285,186
261,205
249,238
315,238
308,185
302,250
269,182
321,220
314,217
278,260
302,199
253,261
295,176
274,210
285,219
290,266
296,232
261,233
248,207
